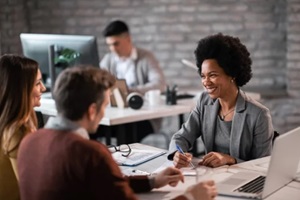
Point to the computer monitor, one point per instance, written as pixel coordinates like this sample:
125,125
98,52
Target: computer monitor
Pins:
36,46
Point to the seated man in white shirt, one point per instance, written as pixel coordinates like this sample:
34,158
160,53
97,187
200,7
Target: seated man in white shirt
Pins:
137,66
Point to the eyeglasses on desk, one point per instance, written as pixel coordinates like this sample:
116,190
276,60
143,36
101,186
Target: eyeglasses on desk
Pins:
123,148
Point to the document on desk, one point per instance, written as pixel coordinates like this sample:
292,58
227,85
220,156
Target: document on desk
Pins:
136,157
165,165
186,171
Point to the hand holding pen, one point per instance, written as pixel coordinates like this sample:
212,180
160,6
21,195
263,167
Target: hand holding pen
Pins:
182,159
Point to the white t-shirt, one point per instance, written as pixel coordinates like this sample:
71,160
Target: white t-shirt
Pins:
126,68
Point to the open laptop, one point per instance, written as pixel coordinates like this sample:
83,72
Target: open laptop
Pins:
282,170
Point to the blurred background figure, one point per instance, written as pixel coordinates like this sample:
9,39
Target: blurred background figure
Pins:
137,66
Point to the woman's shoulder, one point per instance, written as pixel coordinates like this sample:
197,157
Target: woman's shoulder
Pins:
205,99
253,104
12,143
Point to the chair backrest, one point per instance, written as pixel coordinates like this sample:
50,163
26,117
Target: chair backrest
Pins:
276,134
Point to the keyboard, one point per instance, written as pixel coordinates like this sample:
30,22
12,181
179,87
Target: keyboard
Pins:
255,186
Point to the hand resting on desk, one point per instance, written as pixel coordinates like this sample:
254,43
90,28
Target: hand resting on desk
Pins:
204,190
212,159
216,159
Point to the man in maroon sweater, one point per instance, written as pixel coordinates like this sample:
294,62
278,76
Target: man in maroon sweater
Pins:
60,162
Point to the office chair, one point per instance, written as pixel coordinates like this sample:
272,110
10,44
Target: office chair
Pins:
276,134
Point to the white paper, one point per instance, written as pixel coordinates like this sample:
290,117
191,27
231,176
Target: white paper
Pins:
165,165
136,157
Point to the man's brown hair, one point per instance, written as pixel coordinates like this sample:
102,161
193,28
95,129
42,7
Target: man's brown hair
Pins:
76,88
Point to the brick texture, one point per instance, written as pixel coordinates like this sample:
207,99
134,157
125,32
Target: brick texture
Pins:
171,29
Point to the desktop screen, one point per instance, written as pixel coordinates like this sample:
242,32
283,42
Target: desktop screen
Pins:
36,46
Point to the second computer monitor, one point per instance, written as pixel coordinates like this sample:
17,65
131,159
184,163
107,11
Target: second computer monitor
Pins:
36,46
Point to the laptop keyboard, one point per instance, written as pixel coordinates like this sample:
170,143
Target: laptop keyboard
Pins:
254,186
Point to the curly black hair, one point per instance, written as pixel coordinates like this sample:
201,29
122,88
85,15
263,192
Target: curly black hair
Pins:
232,56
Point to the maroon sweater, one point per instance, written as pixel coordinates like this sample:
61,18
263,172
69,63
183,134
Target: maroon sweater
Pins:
61,165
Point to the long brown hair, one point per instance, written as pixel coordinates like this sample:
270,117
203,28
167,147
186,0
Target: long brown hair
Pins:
17,118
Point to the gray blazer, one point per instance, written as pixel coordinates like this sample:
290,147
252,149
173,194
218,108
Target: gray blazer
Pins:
251,130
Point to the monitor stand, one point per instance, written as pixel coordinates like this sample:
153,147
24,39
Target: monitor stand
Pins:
51,56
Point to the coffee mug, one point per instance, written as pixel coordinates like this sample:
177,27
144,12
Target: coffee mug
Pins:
153,97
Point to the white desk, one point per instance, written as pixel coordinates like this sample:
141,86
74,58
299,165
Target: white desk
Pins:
116,116
289,192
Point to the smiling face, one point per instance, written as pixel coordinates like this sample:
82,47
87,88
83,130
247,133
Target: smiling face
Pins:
38,89
215,81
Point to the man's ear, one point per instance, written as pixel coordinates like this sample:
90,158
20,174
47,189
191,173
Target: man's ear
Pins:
92,111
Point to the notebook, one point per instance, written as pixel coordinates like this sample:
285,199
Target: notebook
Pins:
281,171
136,157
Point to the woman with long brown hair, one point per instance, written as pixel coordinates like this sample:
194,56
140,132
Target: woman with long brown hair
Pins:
20,90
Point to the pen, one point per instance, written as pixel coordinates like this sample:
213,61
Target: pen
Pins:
140,172
180,150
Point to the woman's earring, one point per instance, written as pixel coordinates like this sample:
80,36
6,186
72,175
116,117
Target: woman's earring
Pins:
231,80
